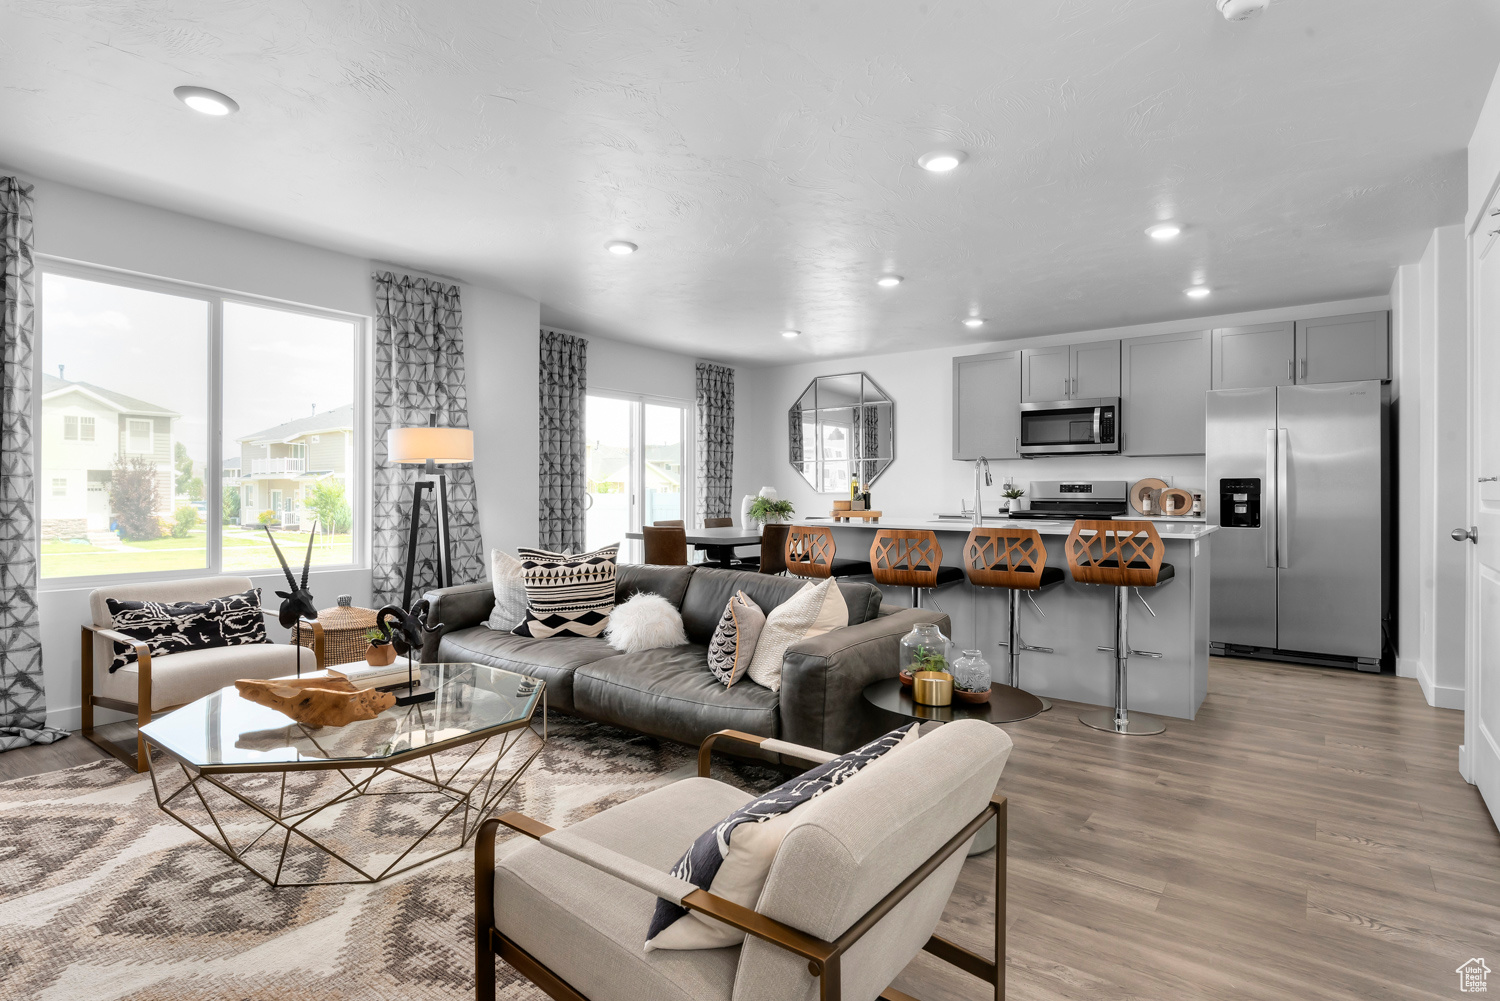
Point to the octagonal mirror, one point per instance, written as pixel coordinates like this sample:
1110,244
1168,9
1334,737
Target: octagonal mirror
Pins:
842,428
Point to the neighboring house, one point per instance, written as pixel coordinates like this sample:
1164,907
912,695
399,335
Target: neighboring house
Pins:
609,473
84,428
279,465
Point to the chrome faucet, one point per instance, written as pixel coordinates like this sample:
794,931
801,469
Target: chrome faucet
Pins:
984,464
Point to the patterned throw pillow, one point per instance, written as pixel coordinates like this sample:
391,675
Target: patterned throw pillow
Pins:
816,609
733,645
168,628
567,595
733,858
509,581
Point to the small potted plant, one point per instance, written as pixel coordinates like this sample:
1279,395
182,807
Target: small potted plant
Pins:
1015,498
771,511
381,652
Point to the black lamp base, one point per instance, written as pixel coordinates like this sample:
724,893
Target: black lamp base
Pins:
408,695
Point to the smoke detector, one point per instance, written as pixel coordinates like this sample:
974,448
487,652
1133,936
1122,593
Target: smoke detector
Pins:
1241,10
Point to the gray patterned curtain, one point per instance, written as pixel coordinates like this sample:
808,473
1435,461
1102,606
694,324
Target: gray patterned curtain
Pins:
23,702
794,437
715,441
869,442
419,371
563,465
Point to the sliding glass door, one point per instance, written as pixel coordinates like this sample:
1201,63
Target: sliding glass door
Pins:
639,466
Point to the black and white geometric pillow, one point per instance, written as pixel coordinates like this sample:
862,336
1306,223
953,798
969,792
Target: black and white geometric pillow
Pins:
567,595
165,628
733,643
701,862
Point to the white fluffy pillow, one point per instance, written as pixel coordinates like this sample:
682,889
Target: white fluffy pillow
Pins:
646,621
509,580
812,611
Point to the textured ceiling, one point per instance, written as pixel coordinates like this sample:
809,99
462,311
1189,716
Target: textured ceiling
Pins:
762,153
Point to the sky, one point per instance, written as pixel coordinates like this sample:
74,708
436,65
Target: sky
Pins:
278,365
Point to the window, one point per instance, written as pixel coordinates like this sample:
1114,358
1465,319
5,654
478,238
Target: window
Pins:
638,467
184,381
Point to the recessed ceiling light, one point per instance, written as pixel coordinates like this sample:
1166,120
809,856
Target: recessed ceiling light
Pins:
205,101
621,247
1197,291
974,321
1164,231
791,333
940,161
889,281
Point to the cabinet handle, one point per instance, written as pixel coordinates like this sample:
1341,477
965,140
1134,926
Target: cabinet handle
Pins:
1065,387
1304,367
1289,368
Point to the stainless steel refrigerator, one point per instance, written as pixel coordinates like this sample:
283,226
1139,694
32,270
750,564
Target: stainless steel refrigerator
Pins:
1299,485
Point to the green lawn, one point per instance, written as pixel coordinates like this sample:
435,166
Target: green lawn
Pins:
244,550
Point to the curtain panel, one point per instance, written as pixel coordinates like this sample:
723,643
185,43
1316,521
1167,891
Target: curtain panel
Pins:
23,701
419,371
562,462
715,438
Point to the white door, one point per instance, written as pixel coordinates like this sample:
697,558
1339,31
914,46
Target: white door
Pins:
1482,687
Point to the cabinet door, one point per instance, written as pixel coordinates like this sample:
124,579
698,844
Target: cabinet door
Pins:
1095,370
987,406
1163,382
1344,348
1253,357
1045,374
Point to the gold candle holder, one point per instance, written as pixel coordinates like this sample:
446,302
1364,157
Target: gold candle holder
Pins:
932,688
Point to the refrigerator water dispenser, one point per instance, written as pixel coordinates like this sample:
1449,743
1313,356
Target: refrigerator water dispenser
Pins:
1239,503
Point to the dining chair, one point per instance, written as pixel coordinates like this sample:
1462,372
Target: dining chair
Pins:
670,523
773,548
666,546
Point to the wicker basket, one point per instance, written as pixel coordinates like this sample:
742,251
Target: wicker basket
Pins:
344,628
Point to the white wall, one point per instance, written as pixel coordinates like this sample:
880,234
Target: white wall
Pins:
924,478
1429,330
500,336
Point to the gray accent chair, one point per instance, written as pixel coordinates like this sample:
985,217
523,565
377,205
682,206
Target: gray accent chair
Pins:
855,891
670,692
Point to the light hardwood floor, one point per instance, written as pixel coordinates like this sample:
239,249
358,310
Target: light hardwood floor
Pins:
1307,837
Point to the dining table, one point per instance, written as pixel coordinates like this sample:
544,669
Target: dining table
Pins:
718,543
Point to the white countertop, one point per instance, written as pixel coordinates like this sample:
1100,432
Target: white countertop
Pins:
1167,528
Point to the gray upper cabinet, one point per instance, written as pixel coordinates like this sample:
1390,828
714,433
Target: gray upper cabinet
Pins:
1163,380
1070,372
1344,348
1253,357
1095,370
987,406
1046,374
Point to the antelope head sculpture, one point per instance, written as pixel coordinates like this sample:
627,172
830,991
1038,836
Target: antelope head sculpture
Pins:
297,602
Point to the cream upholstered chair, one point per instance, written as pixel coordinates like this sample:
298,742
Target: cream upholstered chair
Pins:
155,685
854,892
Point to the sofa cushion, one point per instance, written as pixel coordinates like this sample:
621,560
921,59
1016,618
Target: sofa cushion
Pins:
710,589
179,678
670,693
669,582
553,660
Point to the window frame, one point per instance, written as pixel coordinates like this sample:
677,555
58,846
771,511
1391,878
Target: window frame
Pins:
359,478
639,402
131,423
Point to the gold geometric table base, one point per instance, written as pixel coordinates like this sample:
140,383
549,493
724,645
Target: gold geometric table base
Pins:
320,823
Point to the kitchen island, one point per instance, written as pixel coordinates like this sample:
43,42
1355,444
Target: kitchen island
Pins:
1078,619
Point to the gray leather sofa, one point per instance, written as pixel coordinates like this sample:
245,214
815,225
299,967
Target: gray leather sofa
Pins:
670,692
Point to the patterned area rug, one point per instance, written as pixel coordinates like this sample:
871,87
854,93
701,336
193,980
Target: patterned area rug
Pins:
104,897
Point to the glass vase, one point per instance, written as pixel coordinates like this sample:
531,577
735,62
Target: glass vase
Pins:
925,648
972,674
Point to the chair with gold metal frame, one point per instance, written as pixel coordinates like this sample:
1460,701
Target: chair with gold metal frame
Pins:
149,686
849,901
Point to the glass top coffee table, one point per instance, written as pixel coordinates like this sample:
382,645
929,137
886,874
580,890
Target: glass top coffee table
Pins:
301,805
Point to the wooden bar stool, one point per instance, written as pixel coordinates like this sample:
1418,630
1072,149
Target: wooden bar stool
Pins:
1122,555
1015,559
665,546
901,557
810,552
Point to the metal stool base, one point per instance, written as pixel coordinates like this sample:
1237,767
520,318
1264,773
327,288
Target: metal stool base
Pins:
1135,725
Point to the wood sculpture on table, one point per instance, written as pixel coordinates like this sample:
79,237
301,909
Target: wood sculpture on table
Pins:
408,632
297,602
318,701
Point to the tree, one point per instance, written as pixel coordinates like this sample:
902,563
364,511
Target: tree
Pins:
231,506
327,500
134,498
185,520
184,466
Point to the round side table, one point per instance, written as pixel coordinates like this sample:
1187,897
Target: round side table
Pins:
1006,705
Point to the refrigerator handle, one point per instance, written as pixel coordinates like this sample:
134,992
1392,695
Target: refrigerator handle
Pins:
1283,447
1268,505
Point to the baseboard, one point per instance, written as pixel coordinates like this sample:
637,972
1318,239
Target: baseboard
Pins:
1408,667
1444,697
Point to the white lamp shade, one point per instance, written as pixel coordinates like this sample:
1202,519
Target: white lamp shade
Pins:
438,444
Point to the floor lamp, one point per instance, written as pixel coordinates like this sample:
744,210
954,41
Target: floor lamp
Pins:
432,446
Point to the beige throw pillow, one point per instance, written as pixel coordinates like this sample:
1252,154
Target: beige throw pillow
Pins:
509,580
816,609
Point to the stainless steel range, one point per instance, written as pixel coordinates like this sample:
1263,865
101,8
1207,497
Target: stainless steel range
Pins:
1069,500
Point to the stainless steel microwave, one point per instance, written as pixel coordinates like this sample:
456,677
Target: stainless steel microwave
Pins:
1071,427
